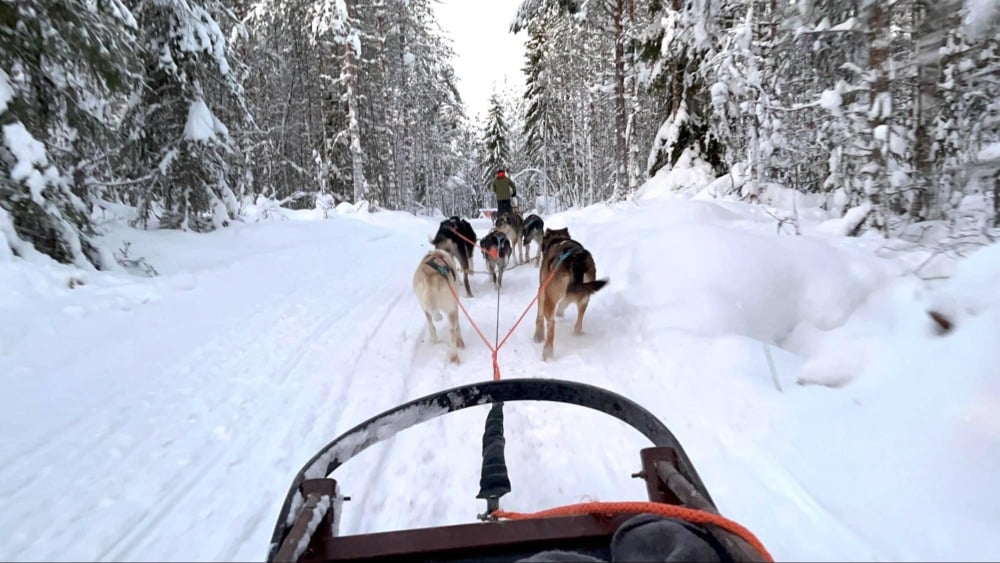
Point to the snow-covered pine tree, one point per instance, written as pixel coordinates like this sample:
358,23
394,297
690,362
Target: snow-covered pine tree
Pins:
180,152
574,86
332,18
496,149
676,52
429,112
65,68
366,91
538,117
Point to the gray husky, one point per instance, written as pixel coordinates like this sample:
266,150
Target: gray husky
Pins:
496,252
533,231
512,225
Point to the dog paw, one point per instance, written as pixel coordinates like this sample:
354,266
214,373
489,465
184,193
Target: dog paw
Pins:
539,337
454,358
547,353
578,331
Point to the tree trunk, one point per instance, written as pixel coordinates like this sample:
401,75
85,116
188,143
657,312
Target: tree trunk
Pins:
621,152
354,129
878,114
928,41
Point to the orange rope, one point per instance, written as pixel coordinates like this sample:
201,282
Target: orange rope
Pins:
495,351
496,365
493,252
670,511
528,308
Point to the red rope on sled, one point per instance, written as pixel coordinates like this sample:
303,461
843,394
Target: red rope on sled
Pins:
667,510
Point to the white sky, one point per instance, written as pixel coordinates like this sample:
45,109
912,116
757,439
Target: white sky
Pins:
486,53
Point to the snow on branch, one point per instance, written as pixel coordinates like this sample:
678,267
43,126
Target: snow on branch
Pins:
202,125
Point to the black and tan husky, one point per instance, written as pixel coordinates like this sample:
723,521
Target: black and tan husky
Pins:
574,280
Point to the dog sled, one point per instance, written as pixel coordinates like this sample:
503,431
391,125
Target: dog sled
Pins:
490,212
679,517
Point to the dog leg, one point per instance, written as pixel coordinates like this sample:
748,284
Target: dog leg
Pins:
454,339
465,277
550,330
561,308
430,327
581,308
539,327
464,260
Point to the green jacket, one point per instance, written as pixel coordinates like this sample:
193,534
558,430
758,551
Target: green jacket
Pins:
504,188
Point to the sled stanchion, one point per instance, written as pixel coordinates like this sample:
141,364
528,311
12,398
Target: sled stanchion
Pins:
494,481
318,511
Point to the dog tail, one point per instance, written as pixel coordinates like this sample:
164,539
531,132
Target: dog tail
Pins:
578,266
580,289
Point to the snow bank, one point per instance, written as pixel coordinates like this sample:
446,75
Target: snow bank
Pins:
883,450
686,273
919,416
690,172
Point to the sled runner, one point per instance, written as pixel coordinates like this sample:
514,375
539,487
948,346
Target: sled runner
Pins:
680,512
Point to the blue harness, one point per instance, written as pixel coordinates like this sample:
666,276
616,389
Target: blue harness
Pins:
442,269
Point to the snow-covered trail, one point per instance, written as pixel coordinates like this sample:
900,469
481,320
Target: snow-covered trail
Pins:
174,426
191,414
165,419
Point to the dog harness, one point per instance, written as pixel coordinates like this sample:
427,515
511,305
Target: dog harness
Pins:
442,269
494,251
564,255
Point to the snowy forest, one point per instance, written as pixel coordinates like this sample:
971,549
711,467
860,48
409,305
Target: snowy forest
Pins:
186,110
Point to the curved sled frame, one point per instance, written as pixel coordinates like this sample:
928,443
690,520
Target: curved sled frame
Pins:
386,425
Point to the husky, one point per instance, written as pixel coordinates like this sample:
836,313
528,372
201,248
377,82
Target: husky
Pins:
511,224
496,252
434,284
573,281
534,229
455,236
